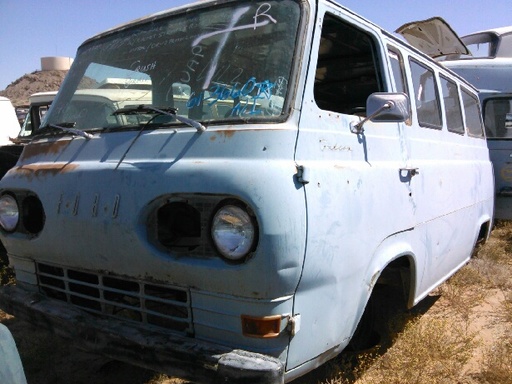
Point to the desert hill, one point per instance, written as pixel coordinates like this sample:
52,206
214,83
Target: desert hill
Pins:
38,81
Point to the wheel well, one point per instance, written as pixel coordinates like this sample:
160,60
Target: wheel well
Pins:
398,275
484,230
391,296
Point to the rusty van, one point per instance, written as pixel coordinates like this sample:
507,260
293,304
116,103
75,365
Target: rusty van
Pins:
289,163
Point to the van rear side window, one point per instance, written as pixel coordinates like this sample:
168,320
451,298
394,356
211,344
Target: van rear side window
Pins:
347,71
472,113
452,106
426,95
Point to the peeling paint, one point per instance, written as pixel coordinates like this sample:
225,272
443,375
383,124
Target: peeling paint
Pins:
37,170
49,147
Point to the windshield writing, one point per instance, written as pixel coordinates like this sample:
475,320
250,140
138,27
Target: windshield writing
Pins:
215,64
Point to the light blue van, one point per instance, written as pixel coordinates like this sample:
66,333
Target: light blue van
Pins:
288,163
484,59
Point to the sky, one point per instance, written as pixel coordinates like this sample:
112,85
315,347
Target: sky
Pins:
31,29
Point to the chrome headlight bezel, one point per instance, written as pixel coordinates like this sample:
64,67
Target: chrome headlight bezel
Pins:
9,213
233,231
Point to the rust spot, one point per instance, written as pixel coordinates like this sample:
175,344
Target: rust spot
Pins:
49,147
40,170
227,133
213,138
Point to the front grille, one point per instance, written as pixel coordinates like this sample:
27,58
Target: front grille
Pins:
126,299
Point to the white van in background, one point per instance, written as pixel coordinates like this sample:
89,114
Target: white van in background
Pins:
9,125
9,128
39,104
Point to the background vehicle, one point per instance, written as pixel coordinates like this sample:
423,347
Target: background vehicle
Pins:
9,128
489,68
240,217
39,103
11,369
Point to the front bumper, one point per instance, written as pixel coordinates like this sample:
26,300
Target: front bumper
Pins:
168,353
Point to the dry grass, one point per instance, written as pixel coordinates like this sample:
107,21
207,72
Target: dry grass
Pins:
497,368
433,352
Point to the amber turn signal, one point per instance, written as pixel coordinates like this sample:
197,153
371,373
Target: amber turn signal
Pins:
263,327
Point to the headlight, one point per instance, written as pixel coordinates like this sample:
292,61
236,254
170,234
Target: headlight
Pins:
233,232
9,213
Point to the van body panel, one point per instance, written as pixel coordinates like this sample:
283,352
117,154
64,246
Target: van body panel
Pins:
196,164
483,73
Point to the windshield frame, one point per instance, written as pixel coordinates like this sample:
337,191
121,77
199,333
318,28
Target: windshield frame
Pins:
505,117
295,43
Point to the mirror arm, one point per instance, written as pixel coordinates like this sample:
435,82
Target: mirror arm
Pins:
357,128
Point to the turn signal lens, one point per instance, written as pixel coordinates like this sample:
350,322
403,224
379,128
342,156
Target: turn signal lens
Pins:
263,327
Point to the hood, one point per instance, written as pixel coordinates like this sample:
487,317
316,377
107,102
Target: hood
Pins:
433,37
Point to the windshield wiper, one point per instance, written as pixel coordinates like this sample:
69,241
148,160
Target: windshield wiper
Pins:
63,127
145,109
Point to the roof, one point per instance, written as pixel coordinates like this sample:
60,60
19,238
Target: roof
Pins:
497,31
154,16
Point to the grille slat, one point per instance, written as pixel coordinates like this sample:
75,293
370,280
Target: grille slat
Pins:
116,297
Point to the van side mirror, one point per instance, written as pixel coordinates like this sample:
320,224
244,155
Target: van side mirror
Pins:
384,107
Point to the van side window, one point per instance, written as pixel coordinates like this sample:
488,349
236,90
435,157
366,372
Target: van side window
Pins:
472,113
397,69
347,71
426,95
452,106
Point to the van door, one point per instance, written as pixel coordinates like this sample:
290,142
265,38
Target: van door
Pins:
357,186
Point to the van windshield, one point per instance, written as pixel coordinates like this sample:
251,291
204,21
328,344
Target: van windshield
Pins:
217,64
498,117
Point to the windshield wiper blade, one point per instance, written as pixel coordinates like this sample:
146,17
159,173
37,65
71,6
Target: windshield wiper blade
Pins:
64,127
141,109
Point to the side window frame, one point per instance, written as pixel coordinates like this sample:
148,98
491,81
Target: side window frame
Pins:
466,95
424,115
395,54
450,114
329,77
